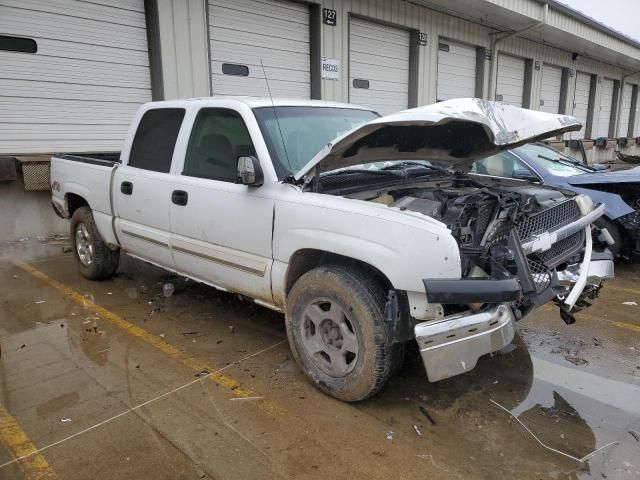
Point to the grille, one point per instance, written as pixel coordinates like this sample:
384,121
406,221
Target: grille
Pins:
562,249
540,273
549,220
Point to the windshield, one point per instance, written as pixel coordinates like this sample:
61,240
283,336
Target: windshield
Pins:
304,131
555,162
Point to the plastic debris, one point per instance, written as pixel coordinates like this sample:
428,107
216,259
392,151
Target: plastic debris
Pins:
631,303
417,430
231,329
203,373
39,302
635,435
240,399
65,420
389,435
161,335
426,414
168,289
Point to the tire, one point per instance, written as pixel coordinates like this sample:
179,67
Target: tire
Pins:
617,247
330,312
93,256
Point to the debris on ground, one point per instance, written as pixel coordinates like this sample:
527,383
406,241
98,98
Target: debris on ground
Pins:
426,414
168,289
389,435
203,373
631,303
15,277
161,335
232,329
635,435
577,361
65,420
240,399
417,430
66,249
196,332
40,302
579,460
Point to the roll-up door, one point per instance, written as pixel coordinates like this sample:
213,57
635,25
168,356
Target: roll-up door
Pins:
80,89
581,102
244,32
550,90
625,112
606,101
456,71
378,66
510,81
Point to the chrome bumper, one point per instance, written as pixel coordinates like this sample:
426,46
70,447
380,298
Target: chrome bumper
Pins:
453,345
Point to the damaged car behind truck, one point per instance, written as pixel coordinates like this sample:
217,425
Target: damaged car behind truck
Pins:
346,222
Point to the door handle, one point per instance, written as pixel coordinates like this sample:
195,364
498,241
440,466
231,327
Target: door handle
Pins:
179,197
126,188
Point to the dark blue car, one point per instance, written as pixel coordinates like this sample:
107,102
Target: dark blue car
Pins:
619,190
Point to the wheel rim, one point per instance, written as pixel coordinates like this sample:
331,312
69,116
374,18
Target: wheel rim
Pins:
84,247
329,338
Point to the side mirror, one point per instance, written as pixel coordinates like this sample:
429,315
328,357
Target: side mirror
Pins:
525,174
250,172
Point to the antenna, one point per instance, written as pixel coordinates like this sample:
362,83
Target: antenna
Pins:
275,113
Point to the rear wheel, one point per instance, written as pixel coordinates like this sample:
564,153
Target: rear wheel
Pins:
336,329
93,256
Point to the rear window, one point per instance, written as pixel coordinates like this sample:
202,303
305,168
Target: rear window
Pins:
155,139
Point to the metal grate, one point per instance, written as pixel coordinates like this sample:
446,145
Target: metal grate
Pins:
540,273
35,172
549,220
562,249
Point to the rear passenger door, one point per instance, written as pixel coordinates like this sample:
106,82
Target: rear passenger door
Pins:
142,187
221,230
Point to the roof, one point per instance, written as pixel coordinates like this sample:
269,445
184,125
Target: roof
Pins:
255,102
578,15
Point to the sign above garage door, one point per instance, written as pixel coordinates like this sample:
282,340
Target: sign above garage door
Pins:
87,76
244,33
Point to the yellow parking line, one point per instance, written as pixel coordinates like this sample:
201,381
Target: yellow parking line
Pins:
35,467
223,380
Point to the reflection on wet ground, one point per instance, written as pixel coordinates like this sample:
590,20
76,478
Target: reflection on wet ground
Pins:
64,369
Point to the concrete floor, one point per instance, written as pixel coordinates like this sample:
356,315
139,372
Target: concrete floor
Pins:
77,356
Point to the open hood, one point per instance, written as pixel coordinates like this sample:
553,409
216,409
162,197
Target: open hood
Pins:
455,132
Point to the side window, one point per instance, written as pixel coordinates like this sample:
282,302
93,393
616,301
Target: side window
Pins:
218,138
155,139
501,164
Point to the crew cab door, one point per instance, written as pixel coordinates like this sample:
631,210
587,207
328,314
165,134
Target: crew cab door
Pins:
221,230
142,187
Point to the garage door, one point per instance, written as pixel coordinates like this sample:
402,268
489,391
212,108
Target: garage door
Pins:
625,112
378,66
510,82
581,102
244,32
456,71
550,90
606,100
79,91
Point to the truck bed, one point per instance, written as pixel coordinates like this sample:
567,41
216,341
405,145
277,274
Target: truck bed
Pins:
103,158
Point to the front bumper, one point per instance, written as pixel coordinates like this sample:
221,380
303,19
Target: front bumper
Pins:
453,345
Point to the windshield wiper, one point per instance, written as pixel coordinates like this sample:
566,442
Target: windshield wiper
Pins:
359,171
404,164
564,160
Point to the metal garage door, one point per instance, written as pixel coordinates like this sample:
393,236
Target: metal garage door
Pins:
606,101
244,32
625,112
90,73
456,71
581,102
550,90
510,81
378,66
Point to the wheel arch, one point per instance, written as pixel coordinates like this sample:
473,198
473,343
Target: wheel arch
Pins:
73,201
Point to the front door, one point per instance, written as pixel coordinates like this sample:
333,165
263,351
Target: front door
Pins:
221,231
142,188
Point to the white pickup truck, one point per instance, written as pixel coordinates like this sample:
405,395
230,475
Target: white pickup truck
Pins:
364,230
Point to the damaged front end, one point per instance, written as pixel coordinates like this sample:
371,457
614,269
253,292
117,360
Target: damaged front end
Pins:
533,251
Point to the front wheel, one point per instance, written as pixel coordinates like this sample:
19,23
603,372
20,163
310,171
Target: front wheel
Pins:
93,256
337,332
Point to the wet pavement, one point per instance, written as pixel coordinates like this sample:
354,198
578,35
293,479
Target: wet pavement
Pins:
101,379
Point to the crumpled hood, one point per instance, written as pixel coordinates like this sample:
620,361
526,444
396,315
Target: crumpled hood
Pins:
455,132
631,175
